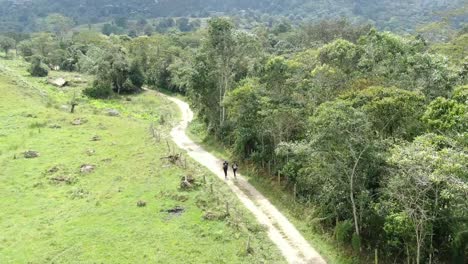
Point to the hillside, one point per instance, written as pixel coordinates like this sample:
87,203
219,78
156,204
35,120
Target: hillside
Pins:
55,209
22,15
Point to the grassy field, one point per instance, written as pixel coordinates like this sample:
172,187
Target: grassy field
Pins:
52,212
300,215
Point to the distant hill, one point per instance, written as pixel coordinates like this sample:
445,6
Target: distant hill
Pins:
397,15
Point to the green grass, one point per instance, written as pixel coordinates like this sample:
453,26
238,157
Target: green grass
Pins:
93,218
280,196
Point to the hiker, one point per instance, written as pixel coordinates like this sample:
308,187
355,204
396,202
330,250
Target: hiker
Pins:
225,168
234,169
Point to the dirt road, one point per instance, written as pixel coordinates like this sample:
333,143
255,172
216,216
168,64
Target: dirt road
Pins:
290,242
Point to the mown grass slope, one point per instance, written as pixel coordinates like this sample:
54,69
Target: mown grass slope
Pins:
52,212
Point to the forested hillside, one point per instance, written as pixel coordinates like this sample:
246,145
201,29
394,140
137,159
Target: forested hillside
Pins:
365,129
401,15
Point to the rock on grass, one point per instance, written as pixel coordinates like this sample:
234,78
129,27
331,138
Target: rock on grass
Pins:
113,112
31,154
87,168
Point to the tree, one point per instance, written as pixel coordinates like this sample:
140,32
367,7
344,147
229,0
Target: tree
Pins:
43,44
449,116
136,75
26,49
337,164
344,136
58,24
17,37
89,38
402,110
275,75
109,29
403,62
428,186
6,44
213,77
341,54
115,68
243,105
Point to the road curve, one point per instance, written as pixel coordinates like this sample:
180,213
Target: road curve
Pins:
287,238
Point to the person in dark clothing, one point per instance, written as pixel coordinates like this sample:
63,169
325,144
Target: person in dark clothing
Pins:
234,169
225,168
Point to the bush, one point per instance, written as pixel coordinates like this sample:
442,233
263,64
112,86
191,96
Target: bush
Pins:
128,87
343,231
99,89
38,68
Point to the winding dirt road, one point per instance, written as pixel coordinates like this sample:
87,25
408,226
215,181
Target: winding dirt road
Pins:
290,242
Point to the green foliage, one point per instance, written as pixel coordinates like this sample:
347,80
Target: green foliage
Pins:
100,89
341,54
402,110
327,31
356,242
460,94
449,115
183,24
58,24
6,44
344,232
121,21
25,49
110,29
38,68
243,106
399,231
136,75
428,182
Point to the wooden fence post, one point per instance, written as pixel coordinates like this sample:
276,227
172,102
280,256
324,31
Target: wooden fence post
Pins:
269,168
295,191
376,258
168,146
248,249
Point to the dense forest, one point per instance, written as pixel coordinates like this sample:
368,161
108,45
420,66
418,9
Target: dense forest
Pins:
23,15
370,126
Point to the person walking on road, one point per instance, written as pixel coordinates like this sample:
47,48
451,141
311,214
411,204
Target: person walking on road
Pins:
225,168
234,169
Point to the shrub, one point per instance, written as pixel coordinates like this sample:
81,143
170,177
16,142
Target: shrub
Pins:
128,87
100,89
343,231
38,68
